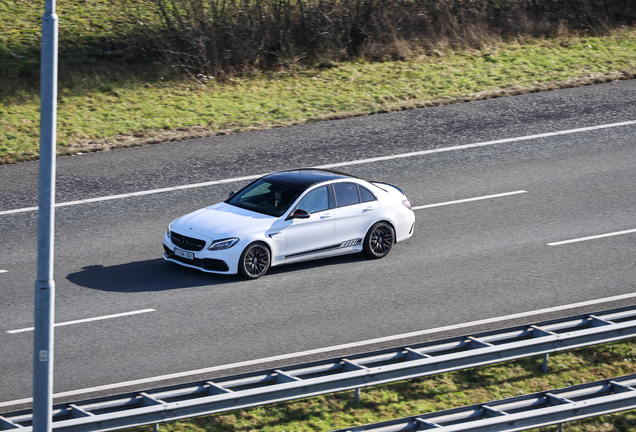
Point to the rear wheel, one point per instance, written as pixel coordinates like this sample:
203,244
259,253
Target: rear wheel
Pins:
254,261
379,240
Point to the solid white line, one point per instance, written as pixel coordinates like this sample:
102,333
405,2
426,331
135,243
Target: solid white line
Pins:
469,200
591,237
140,193
86,320
335,165
482,144
328,349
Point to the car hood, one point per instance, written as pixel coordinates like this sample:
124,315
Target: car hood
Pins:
221,221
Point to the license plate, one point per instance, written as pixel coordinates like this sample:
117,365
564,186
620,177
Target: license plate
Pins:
184,254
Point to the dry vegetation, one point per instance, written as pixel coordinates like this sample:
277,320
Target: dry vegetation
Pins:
213,37
135,72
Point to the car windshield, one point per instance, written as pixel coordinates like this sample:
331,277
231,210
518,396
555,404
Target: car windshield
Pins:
266,197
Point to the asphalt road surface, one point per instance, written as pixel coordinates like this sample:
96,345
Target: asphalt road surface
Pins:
547,168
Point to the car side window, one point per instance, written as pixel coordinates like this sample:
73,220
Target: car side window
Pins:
346,194
315,201
366,195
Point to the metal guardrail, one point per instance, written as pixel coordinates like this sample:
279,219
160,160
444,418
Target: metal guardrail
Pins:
522,412
333,375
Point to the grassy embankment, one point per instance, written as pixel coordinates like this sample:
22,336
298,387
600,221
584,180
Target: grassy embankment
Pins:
436,393
107,104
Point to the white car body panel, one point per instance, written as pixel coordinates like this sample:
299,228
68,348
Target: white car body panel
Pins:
334,231
224,220
353,221
302,235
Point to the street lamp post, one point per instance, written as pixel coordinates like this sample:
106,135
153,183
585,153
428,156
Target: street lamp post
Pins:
44,285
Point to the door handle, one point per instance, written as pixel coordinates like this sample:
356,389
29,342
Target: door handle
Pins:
325,216
368,209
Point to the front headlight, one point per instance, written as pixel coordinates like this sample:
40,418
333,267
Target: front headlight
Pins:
169,232
223,244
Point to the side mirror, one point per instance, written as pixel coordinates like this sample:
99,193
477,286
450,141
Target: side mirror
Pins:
299,214
231,194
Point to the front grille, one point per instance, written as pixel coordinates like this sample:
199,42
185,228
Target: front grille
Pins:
187,243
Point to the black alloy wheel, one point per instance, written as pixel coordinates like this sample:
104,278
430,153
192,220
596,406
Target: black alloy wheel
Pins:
254,261
379,240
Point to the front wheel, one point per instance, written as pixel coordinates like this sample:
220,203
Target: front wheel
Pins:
379,240
254,261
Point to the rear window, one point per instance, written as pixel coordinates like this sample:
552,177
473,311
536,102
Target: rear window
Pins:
365,194
346,194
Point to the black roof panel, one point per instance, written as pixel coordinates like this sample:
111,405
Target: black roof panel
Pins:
304,178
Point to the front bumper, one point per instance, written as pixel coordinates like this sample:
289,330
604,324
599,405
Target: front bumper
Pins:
205,264
220,262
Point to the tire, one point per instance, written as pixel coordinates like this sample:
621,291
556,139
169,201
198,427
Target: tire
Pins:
254,261
379,240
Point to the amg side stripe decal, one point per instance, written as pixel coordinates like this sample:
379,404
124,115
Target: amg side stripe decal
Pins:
351,242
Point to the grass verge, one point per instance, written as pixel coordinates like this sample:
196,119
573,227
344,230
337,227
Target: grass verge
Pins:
136,109
436,393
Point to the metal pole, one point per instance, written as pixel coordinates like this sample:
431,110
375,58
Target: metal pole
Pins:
44,285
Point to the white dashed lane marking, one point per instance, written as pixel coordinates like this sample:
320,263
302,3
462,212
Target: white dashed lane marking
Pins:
594,237
335,165
469,200
364,344
86,320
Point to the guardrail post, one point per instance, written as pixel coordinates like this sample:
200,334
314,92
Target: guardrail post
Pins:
357,395
544,366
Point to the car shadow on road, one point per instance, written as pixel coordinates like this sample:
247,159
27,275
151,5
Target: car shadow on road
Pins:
323,262
159,275
141,276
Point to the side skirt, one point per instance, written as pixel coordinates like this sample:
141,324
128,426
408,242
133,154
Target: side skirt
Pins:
320,254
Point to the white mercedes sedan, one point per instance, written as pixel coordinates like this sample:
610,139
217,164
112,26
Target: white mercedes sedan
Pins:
287,217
